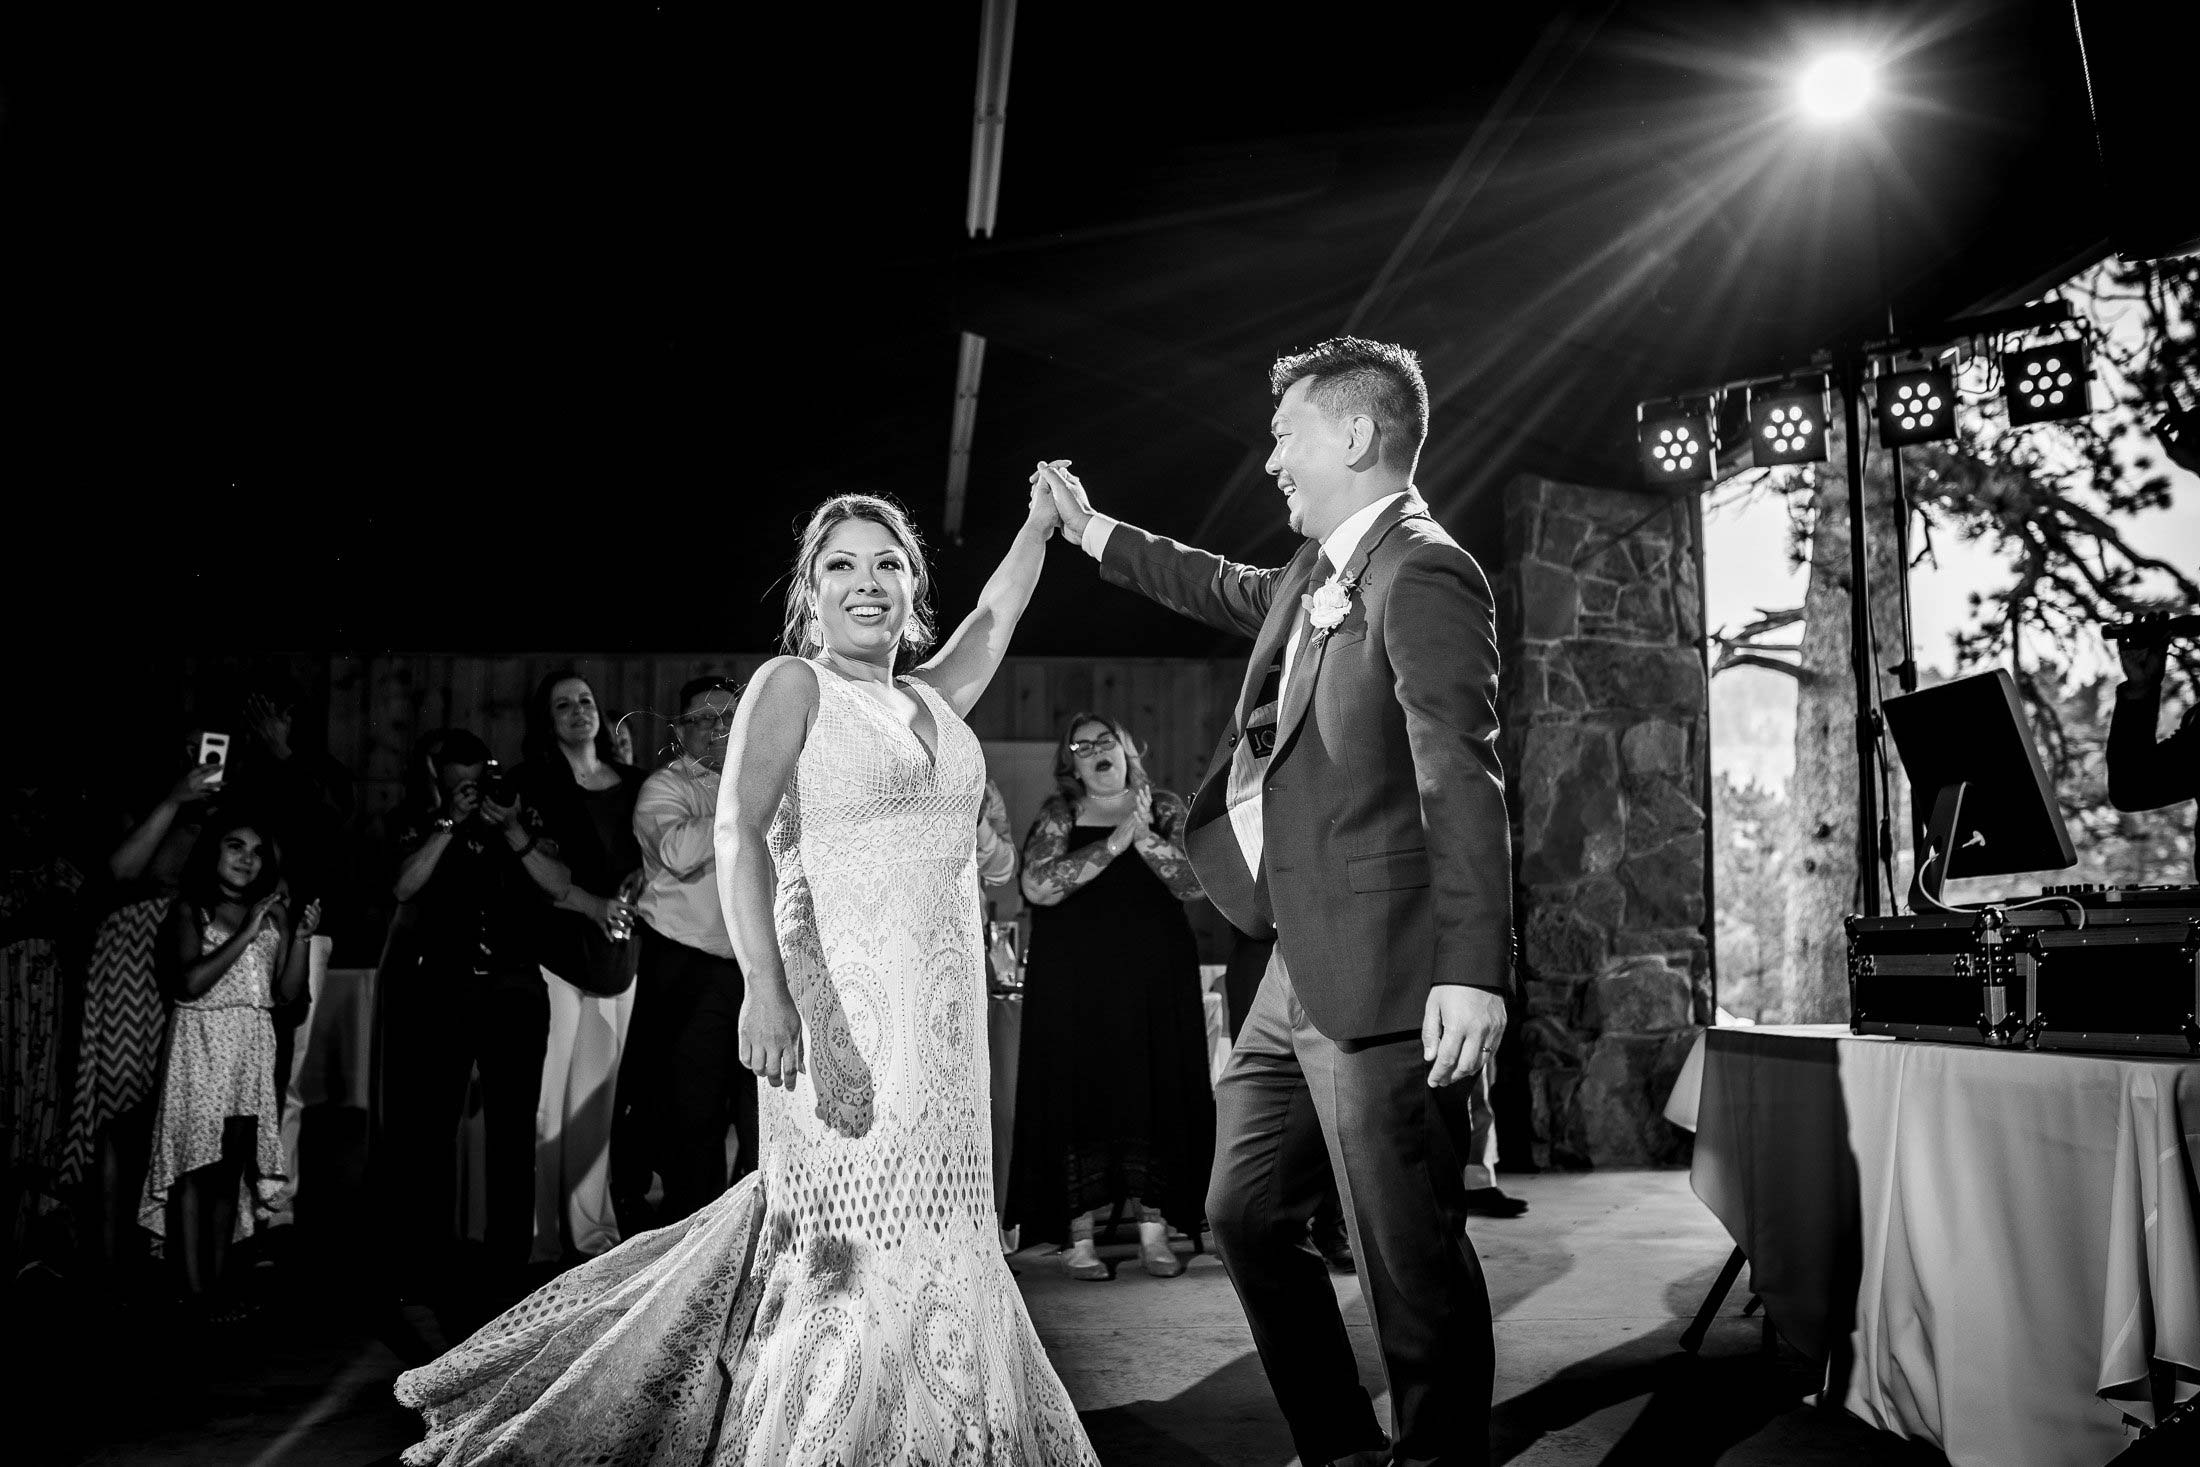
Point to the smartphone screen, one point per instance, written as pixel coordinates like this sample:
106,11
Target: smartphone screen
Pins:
214,749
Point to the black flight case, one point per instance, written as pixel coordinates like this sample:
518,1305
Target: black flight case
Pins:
2102,969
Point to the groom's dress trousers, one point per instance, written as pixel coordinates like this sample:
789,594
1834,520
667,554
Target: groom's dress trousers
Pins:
1378,851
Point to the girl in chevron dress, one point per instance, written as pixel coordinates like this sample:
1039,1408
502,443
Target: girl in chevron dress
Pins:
125,1021
847,1304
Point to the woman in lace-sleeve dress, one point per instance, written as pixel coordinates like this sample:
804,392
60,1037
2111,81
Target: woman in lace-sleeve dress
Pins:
847,1303
1113,1102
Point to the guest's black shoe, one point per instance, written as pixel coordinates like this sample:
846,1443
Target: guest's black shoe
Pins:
1490,1202
1338,1253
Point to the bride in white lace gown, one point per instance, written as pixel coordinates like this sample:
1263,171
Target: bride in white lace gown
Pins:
847,1304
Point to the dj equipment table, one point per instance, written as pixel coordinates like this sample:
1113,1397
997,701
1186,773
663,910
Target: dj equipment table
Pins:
1999,1250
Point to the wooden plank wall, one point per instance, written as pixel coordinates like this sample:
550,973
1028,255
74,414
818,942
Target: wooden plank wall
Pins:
379,706
372,711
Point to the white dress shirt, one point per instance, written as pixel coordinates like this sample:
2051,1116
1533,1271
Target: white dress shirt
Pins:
1340,545
675,819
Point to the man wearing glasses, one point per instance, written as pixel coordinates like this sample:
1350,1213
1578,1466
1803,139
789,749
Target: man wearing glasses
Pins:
681,1082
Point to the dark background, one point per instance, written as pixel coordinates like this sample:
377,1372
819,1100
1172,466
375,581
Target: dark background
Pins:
351,327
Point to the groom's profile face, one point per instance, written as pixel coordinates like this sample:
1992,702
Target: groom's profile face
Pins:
1310,461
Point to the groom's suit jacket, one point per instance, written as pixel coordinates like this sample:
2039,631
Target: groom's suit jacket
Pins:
1387,863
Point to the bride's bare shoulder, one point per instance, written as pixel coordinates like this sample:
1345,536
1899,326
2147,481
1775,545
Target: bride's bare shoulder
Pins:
784,685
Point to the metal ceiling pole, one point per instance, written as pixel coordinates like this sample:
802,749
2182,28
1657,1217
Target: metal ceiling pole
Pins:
969,365
1850,371
989,121
1906,670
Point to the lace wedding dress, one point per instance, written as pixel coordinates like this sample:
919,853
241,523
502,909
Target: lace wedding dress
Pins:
847,1305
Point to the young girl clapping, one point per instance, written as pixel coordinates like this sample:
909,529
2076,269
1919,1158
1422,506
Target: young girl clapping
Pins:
232,954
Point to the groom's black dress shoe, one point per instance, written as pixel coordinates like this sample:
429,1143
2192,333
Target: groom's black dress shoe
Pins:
1490,1202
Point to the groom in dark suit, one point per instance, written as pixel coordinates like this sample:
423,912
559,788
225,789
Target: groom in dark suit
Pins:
1356,807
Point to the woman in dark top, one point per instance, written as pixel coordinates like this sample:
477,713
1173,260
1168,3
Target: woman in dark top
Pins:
1113,1102
587,800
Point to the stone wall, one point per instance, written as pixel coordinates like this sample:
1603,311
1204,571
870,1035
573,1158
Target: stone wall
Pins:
1606,720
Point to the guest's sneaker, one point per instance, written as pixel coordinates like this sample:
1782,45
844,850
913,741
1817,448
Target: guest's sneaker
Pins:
1080,1262
1154,1253
1490,1202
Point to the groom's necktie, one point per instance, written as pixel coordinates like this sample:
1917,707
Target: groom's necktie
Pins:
1257,740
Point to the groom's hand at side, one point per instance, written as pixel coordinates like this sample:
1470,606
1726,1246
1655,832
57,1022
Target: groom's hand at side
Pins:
1460,1027
1070,500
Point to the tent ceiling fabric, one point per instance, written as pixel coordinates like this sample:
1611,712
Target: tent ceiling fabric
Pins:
494,301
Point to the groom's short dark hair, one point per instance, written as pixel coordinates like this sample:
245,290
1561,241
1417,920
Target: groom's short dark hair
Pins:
1378,378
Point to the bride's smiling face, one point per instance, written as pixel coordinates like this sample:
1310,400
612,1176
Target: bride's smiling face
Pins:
861,588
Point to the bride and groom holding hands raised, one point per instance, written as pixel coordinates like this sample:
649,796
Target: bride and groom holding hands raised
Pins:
848,1303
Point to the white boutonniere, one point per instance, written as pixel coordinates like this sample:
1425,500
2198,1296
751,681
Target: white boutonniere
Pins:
1326,608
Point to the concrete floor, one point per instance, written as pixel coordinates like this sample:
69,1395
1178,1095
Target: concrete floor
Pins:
1591,1290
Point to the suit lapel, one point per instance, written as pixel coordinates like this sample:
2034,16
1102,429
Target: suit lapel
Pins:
1298,694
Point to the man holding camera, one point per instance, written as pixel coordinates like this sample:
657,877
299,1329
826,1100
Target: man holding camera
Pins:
479,874
681,1083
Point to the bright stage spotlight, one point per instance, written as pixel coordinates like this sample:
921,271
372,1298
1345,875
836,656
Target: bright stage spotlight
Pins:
1917,406
1836,86
2046,383
1674,441
1787,423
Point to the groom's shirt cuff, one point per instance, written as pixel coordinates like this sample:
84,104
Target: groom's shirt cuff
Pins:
1095,538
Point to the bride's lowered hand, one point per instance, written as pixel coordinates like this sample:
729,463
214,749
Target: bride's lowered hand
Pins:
771,1034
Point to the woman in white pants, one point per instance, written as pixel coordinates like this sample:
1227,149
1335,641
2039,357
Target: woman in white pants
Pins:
587,800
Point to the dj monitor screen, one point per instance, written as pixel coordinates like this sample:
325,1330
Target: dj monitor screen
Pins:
1973,767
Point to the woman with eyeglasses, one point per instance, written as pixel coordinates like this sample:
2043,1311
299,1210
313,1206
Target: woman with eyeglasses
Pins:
1113,1104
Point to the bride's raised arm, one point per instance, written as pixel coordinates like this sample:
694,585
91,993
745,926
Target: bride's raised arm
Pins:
966,662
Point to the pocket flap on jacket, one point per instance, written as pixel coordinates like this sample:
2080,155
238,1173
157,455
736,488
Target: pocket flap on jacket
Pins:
1390,871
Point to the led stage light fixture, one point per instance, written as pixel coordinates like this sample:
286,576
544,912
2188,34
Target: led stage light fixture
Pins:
2046,383
1917,406
1674,442
1787,423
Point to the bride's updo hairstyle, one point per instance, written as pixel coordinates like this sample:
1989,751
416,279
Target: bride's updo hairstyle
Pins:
799,636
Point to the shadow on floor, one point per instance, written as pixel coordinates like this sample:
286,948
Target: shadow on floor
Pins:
1693,1411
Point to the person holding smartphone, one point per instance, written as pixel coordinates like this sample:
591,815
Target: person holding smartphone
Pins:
124,1019
480,872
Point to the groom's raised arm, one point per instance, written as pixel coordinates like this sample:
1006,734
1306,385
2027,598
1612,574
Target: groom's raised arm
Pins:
1196,583
1222,593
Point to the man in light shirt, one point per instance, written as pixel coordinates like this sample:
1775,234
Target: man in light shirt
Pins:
681,1082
